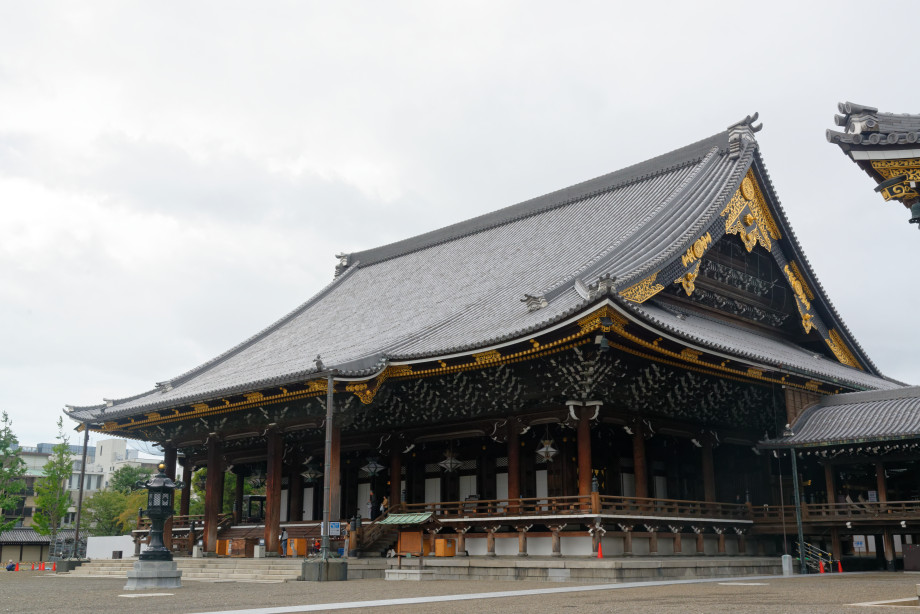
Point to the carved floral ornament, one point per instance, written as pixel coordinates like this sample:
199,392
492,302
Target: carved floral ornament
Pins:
748,216
907,170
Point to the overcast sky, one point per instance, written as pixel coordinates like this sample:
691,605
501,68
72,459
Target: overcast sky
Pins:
175,176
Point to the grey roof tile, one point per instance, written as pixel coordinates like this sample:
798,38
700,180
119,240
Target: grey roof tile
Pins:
875,415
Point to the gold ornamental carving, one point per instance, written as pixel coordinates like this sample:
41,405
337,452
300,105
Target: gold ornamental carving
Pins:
487,357
644,290
592,322
838,347
748,216
365,391
802,295
696,251
907,168
688,279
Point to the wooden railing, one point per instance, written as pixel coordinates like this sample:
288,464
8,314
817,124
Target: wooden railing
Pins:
676,508
856,511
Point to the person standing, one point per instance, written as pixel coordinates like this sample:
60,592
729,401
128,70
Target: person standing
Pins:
284,542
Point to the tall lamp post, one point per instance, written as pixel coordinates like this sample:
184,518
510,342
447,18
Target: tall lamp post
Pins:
803,568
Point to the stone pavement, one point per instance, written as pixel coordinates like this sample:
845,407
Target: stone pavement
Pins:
28,592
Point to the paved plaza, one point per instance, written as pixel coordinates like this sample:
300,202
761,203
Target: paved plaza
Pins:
24,593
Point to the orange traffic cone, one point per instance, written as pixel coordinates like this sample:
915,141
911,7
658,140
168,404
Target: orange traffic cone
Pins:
54,566
33,566
17,566
839,567
41,567
600,549
820,566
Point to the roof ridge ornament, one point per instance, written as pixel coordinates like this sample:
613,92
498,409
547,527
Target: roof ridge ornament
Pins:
344,263
741,133
606,284
534,302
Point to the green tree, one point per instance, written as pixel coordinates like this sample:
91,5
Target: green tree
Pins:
12,469
125,479
103,510
51,497
133,502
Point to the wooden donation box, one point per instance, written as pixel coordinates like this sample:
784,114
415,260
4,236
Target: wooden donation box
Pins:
297,546
445,546
413,542
243,546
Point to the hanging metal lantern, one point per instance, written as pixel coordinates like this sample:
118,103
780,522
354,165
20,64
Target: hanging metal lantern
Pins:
372,467
547,452
450,462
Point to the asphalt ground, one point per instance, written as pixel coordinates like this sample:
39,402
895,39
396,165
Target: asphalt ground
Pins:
38,592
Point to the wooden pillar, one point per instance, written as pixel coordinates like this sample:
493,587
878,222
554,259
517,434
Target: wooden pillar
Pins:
273,492
742,544
213,492
627,541
514,463
584,451
461,539
721,542
829,482
653,541
295,489
238,498
395,477
186,487
836,549
557,539
700,542
522,540
888,546
169,459
709,475
677,543
490,540
335,475
880,481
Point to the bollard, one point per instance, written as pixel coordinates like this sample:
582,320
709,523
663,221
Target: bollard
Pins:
787,564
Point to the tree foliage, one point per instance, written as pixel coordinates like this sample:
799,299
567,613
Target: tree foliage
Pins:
51,496
103,513
133,502
12,468
125,479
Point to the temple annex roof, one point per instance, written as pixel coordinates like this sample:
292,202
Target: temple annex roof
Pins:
522,269
857,417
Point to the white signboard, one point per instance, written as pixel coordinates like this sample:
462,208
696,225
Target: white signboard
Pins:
335,528
858,543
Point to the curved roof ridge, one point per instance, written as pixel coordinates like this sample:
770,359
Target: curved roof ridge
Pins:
806,267
678,158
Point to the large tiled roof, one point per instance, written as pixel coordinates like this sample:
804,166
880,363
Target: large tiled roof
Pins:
461,287
870,416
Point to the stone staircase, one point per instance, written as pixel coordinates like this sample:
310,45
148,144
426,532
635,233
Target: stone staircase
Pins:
205,569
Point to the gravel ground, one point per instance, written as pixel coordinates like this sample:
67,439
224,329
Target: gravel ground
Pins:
25,593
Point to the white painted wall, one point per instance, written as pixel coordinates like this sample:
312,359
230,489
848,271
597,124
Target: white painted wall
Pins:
307,503
467,486
432,490
102,547
542,489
